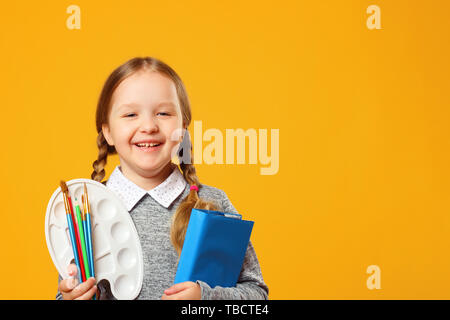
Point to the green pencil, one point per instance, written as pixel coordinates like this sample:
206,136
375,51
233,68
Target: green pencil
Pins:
83,243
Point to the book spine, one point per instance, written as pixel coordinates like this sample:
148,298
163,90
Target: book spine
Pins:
192,240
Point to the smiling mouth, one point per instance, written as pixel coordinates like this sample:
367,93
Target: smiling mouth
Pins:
147,146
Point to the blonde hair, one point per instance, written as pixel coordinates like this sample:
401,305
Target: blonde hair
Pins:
182,215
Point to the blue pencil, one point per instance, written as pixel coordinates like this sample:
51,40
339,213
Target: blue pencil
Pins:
86,239
88,234
74,246
87,208
71,232
88,227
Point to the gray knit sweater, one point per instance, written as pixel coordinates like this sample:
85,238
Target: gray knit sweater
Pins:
152,222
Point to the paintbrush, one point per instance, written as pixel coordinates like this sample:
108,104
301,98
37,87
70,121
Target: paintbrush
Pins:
84,259
87,210
72,229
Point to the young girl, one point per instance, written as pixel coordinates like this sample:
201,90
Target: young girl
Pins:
142,115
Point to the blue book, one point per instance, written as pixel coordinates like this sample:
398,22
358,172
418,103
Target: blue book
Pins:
214,248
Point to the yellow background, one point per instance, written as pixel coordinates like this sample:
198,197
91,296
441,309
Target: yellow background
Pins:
363,118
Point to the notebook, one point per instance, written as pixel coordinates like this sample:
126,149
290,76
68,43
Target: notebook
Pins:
214,248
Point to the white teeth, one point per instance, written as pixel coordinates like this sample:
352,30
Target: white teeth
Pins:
146,145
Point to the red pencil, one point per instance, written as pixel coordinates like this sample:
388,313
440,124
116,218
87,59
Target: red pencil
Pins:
83,275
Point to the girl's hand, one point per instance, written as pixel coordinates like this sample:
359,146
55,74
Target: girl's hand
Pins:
70,289
183,291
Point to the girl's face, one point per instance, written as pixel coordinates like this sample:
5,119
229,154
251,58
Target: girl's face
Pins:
143,121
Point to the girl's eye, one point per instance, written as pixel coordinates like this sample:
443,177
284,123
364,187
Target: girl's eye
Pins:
130,115
164,113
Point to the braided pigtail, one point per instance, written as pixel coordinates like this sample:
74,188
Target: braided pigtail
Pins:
182,215
99,165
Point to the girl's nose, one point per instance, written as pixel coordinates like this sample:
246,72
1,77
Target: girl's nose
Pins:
149,125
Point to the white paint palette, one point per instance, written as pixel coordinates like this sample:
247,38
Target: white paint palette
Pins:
116,246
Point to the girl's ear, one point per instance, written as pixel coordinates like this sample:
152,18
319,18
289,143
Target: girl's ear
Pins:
107,134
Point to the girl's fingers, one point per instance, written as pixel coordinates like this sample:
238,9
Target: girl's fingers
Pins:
67,285
89,294
83,288
176,288
176,296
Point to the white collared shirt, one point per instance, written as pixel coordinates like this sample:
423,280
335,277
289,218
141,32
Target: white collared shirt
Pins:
130,193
